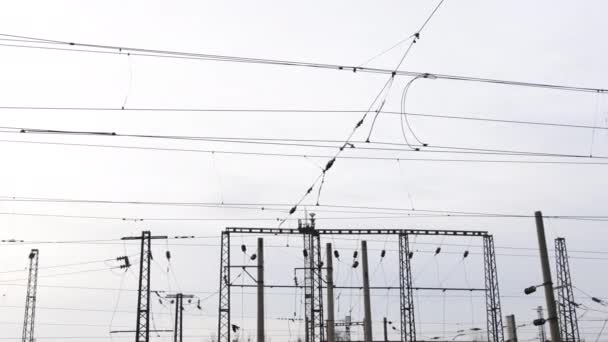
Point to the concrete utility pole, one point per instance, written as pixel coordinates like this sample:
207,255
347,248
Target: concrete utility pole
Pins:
306,334
511,329
331,324
260,281
547,282
385,325
178,327
366,298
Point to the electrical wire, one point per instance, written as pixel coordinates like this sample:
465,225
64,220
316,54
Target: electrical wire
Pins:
305,111
110,49
290,143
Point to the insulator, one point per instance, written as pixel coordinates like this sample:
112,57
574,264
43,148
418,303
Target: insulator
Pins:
355,264
337,254
32,255
597,300
438,250
466,254
295,280
160,301
321,264
253,256
172,301
394,328
235,328
383,253
189,301
305,252
168,254
410,255
355,253
243,248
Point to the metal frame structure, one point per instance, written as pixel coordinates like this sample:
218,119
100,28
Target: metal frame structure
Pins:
223,322
142,326
406,293
30,299
142,330
313,285
493,310
566,307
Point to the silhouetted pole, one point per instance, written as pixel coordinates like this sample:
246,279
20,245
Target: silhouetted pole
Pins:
367,321
331,326
511,329
385,325
306,336
547,282
542,335
260,290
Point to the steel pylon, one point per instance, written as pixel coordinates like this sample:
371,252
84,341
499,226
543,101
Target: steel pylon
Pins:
566,307
30,299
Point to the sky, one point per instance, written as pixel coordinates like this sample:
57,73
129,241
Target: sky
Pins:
82,294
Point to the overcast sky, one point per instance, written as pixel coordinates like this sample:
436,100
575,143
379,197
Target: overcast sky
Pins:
557,42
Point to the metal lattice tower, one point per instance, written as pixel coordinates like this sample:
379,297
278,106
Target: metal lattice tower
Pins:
493,310
313,295
408,331
30,299
566,307
142,332
142,326
223,326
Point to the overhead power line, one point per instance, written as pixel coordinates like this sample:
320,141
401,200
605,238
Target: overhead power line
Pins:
59,45
313,155
308,143
260,205
469,117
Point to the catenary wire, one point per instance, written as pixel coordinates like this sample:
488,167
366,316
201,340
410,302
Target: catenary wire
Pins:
111,49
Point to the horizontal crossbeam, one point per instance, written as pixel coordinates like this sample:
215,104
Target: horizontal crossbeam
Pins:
282,286
279,231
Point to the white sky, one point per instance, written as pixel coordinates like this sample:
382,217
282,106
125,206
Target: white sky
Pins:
560,42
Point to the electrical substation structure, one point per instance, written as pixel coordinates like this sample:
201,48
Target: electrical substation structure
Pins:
566,307
314,283
30,299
